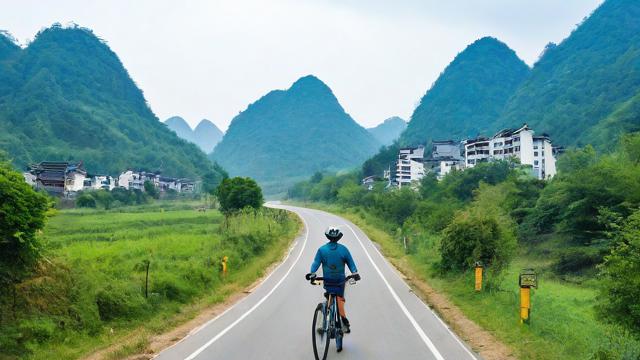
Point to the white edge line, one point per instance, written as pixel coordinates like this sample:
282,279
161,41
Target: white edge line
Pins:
413,321
264,298
199,328
455,337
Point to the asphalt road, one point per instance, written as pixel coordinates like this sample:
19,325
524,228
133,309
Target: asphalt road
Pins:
387,320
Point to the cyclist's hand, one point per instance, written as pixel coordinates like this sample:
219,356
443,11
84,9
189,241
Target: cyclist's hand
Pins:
356,276
310,276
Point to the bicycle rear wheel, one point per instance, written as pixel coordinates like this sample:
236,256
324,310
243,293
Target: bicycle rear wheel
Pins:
320,334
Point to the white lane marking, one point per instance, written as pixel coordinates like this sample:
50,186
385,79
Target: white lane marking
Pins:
455,337
264,298
413,321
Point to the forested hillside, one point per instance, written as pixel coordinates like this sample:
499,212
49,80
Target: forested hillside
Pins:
67,96
289,134
469,95
579,83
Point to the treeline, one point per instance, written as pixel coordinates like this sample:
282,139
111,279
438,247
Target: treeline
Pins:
586,218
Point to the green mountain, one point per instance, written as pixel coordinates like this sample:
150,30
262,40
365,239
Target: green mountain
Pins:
67,96
389,131
581,82
469,95
290,134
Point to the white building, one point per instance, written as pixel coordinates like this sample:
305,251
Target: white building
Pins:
97,182
133,180
520,144
445,156
410,166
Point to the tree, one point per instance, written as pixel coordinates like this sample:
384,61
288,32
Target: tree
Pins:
620,291
22,215
212,179
482,232
238,193
151,189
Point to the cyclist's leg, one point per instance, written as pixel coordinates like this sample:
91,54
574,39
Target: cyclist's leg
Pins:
340,300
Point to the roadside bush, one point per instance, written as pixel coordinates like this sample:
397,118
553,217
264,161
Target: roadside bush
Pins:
173,289
22,216
480,233
617,346
620,289
119,301
39,330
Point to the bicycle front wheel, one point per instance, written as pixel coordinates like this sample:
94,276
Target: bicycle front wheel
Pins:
320,333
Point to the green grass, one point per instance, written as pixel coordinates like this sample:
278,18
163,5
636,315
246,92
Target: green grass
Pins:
563,322
91,288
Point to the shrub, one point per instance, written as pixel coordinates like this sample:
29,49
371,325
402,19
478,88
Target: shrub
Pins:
620,289
480,233
22,215
39,330
119,301
85,200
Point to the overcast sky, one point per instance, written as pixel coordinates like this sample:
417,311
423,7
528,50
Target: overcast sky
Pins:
210,59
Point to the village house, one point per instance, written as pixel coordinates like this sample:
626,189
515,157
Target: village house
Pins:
445,156
58,177
97,182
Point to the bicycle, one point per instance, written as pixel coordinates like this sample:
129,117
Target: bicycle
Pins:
326,321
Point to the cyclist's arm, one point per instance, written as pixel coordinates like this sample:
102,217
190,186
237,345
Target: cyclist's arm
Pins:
349,260
316,262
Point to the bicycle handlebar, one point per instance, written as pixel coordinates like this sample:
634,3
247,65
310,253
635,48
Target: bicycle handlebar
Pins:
319,278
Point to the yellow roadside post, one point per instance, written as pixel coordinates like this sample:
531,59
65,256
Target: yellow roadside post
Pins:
224,265
478,275
527,280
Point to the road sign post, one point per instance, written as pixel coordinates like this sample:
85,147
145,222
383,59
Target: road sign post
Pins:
479,269
527,280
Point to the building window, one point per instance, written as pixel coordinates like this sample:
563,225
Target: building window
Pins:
535,147
535,162
535,153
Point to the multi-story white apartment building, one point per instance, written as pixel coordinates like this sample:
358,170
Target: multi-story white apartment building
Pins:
410,166
520,144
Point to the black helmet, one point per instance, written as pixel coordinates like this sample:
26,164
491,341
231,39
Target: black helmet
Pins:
333,234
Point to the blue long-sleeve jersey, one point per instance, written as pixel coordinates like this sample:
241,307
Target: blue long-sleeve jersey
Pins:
333,257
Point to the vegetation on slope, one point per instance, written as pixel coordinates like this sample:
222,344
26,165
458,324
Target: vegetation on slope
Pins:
91,291
578,83
67,96
469,95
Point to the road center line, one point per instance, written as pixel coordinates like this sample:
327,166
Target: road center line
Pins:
413,321
264,298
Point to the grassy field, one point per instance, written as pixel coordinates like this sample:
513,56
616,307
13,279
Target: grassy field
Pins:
90,292
563,322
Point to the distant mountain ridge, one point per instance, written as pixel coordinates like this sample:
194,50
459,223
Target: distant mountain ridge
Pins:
469,95
389,130
67,96
206,134
290,134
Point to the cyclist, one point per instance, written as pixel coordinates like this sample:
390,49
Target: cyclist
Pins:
333,257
